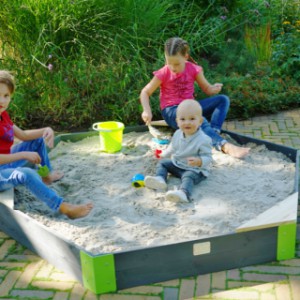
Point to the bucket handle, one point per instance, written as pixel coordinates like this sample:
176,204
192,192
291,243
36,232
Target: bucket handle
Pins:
95,127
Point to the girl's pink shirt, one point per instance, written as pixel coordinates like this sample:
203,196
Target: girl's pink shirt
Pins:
176,87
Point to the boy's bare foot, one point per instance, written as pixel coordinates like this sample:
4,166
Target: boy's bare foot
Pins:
52,177
75,211
235,151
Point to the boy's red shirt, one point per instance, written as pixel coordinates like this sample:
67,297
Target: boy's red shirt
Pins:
6,133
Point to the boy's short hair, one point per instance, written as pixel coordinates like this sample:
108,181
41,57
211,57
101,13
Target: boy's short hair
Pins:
190,103
8,79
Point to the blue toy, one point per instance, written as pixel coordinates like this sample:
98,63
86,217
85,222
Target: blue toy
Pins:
138,180
160,142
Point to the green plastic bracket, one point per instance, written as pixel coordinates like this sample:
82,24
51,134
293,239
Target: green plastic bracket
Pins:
286,241
98,273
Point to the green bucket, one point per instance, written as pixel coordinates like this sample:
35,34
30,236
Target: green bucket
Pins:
111,135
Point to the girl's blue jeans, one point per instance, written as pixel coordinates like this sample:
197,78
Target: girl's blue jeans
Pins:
14,174
188,178
214,109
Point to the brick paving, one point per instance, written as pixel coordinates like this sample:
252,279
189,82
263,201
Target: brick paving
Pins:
23,275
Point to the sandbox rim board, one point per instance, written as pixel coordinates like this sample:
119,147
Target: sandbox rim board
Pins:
125,269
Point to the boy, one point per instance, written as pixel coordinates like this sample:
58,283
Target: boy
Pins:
13,158
191,154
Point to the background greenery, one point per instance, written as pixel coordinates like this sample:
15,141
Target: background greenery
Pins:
82,61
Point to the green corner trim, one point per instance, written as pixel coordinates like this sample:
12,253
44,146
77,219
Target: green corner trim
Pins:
98,272
286,241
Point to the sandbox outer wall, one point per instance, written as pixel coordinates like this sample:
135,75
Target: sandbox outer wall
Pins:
110,272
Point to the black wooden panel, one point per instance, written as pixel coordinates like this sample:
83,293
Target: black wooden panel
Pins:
36,237
243,139
172,261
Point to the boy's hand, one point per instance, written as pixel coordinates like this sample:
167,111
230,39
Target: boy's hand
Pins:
157,153
48,136
194,161
32,157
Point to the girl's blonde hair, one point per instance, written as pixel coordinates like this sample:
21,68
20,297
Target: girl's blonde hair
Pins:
176,45
8,79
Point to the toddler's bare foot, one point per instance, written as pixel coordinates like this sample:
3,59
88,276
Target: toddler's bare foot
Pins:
75,211
52,177
235,151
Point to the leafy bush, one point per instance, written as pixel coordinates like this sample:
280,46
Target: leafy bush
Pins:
255,95
81,61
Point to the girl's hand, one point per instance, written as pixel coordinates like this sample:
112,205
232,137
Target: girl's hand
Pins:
216,88
48,136
194,161
32,157
147,117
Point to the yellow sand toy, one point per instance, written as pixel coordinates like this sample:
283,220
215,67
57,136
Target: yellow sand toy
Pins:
138,180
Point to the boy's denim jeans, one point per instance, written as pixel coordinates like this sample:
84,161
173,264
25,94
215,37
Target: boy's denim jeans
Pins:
37,145
188,178
14,174
214,109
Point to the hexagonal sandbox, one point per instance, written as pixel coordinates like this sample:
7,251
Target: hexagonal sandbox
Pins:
270,236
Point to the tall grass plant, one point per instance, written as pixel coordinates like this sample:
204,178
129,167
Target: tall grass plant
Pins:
81,61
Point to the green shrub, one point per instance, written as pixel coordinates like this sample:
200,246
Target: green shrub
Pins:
81,61
255,95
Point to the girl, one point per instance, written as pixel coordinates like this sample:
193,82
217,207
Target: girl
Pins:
176,82
31,150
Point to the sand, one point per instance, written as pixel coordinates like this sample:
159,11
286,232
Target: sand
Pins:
126,218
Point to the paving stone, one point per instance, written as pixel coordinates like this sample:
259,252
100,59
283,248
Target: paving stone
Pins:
28,274
295,287
127,297
5,248
234,295
186,289
174,282
234,274
282,291
273,128
144,289
23,257
12,265
264,277
170,293
61,296
267,296
266,287
77,292
291,262
90,296
59,276
29,252
58,285
203,284
9,282
219,280
3,235
25,294
273,269
44,271
239,284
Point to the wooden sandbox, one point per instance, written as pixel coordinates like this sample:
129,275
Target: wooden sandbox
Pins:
270,236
